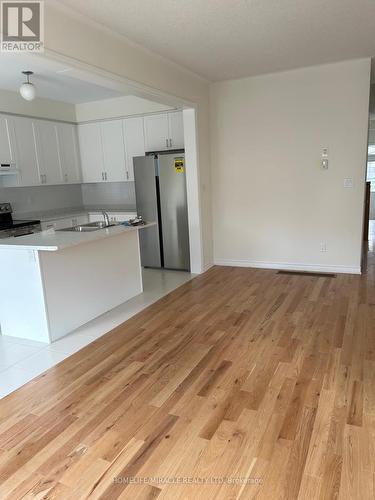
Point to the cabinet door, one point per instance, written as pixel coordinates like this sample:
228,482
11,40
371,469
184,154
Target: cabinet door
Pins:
68,151
91,149
134,142
6,149
48,152
26,154
113,151
156,132
176,130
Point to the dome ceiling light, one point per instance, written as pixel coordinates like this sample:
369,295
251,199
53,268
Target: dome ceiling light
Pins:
27,89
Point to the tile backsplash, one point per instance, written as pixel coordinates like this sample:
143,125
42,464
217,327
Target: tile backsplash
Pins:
109,193
44,198
41,198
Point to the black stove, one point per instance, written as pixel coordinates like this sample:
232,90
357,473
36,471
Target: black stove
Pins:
10,227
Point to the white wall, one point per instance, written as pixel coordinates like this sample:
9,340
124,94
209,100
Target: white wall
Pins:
12,102
273,204
77,38
372,206
119,106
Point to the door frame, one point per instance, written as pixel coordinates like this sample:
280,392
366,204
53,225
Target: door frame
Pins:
93,74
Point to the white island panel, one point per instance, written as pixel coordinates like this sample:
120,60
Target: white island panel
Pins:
22,307
85,281
52,283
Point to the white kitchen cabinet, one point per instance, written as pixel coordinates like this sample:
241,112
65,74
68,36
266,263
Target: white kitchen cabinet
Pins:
164,131
91,150
48,152
113,151
134,142
26,153
176,130
156,132
7,153
68,153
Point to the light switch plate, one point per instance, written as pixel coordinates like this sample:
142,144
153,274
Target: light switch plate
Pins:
348,183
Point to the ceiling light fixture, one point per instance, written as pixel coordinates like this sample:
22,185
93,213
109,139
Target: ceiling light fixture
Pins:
27,89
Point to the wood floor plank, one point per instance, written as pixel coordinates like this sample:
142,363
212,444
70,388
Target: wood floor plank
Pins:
239,373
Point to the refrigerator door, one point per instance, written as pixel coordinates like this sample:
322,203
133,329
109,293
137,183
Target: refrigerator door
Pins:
173,211
147,207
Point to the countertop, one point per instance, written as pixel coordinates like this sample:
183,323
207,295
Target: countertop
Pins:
52,241
64,213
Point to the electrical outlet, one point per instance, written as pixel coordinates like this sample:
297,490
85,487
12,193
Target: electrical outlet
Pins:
323,246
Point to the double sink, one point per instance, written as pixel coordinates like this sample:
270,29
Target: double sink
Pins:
91,226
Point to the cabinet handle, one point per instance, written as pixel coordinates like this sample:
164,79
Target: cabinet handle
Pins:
127,175
170,143
105,175
166,142
102,176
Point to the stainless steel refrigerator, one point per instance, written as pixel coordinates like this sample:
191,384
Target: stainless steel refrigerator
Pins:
160,189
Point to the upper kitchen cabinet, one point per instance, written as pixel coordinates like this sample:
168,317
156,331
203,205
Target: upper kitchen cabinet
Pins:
69,153
48,152
164,131
26,154
134,142
113,151
6,140
91,149
176,130
156,132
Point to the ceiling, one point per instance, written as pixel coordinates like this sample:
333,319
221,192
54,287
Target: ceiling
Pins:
223,39
52,80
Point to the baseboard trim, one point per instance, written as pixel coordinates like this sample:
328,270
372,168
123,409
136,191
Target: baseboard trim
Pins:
206,267
288,266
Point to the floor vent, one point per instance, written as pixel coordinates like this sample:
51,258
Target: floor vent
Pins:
305,273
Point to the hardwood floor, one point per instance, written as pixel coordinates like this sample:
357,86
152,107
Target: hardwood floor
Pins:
240,373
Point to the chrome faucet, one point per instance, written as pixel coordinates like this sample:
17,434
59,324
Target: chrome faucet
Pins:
106,218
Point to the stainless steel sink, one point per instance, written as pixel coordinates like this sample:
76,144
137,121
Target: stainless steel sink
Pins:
91,226
100,224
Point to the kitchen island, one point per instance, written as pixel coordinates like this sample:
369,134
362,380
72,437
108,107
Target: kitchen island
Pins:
55,281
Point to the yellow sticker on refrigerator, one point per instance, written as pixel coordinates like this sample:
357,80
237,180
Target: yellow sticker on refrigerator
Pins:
179,165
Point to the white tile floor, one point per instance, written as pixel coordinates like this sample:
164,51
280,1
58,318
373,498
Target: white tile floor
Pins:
22,360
